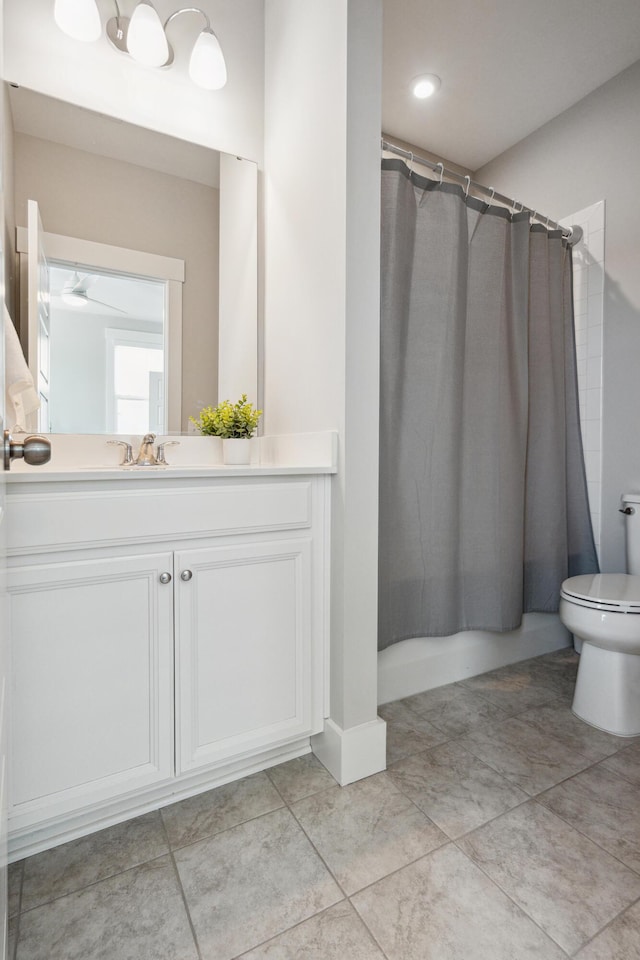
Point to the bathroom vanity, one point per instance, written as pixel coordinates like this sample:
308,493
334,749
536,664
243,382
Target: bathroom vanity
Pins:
169,633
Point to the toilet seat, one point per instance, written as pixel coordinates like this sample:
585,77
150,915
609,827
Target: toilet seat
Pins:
615,592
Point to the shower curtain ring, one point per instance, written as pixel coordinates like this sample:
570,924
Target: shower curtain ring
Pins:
441,166
493,193
466,192
409,162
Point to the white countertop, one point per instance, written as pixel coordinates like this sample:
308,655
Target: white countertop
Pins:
89,458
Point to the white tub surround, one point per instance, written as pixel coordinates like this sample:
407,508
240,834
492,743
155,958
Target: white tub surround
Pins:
422,663
169,634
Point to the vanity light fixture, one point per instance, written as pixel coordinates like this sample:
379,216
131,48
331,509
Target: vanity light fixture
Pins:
79,19
425,86
144,37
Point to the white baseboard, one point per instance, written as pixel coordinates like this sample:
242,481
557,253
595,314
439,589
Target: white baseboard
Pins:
352,754
422,663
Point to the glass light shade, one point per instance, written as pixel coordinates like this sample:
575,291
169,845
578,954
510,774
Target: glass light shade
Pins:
207,67
146,40
79,19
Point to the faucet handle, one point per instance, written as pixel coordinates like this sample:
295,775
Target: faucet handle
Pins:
128,452
160,450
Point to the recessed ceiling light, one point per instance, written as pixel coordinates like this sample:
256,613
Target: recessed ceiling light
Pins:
425,86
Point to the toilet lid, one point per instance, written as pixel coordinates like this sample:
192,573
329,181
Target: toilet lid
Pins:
604,591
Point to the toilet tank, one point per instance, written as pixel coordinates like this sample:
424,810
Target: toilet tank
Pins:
631,507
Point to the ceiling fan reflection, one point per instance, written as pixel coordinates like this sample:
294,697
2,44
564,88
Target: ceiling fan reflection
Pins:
75,293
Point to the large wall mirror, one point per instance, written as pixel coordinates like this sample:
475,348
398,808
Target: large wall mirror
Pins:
151,276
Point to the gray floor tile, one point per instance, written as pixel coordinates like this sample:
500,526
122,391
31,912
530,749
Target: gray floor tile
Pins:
626,763
78,863
300,778
251,883
12,937
532,760
444,908
366,830
15,873
556,670
514,689
216,810
455,789
556,719
620,941
454,709
603,807
336,934
568,885
407,732
137,915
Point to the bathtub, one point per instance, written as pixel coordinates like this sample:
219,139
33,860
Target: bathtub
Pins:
422,663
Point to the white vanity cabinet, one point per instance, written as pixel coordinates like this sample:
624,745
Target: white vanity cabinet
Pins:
243,649
167,636
92,682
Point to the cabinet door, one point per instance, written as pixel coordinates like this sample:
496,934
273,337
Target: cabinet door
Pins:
243,647
92,669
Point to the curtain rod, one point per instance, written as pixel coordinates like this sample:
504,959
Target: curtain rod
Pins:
572,234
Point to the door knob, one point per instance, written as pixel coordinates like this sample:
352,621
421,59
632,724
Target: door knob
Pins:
34,450
186,575
165,578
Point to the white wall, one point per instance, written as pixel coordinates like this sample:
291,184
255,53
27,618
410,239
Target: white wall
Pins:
590,153
321,337
238,302
9,220
94,75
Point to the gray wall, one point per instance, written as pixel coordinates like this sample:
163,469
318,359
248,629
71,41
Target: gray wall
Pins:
97,198
589,153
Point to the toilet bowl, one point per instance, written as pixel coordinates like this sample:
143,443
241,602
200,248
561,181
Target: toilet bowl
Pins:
603,611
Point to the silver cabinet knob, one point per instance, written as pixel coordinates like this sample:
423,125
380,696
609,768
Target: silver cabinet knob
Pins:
165,578
35,450
186,575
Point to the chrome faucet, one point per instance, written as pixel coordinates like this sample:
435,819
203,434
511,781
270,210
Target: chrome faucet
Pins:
128,452
146,456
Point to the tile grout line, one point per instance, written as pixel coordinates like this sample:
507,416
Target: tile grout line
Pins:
520,909
181,889
607,925
18,915
94,883
586,836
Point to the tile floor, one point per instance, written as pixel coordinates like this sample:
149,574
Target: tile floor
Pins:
503,829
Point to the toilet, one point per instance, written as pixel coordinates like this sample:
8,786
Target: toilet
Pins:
603,613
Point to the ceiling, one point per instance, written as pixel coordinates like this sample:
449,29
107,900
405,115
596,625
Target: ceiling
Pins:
507,67
49,119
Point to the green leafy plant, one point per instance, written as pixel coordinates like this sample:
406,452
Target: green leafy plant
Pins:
229,420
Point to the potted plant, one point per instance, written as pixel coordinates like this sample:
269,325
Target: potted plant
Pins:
235,423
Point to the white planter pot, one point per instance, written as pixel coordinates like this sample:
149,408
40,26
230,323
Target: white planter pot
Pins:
236,452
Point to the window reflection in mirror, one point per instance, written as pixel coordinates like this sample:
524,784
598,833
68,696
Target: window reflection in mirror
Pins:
107,355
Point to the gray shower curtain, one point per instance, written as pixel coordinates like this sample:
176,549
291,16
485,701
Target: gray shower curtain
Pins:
483,498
